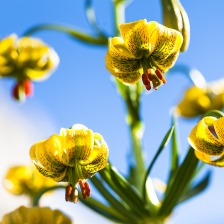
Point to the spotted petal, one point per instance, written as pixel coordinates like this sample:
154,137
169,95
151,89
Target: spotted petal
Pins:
202,139
137,37
165,44
121,63
97,159
209,159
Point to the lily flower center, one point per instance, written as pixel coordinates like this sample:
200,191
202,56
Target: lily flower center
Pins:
71,191
155,76
76,178
151,75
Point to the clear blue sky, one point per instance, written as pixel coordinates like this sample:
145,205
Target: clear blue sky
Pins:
81,91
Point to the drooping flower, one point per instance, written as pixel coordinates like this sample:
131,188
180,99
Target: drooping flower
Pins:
197,101
207,138
35,215
73,156
145,50
27,60
25,180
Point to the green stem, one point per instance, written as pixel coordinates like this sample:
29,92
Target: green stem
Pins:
39,194
132,101
119,15
99,40
193,74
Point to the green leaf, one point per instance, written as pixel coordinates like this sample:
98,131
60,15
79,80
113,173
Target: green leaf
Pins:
84,37
180,181
102,209
175,147
174,152
198,188
124,190
165,141
116,204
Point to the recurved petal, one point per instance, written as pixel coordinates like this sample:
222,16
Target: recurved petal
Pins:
60,218
202,139
7,43
46,161
44,67
166,45
128,71
136,36
118,50
54,150
78,144
208,159
194,102
58,177
35,215
164,64
219,129
97,159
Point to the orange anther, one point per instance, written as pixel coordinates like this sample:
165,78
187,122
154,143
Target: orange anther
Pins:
68,193
160,75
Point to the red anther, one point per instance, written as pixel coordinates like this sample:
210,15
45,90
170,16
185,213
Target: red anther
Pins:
87,187
149,74
68,193
15,91
148,87
160,75
145,80
28,87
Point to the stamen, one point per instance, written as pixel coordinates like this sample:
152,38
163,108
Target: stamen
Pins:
160,75
68,192
146,81
85,188
154,79
71,194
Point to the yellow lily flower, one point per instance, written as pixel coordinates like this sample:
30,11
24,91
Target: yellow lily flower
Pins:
145,50
197,101
25,180
207,139
73,156
26,59
35,215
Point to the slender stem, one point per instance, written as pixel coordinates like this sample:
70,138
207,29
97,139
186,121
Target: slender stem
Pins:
99,40
136,132
193,74
39,194
119,15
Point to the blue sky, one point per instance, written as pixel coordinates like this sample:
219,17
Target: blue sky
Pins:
81,90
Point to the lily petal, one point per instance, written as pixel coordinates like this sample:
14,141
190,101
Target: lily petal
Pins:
137,36
203,140
219,129
166,44
78,144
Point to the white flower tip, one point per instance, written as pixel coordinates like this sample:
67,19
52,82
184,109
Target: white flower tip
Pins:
79,127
